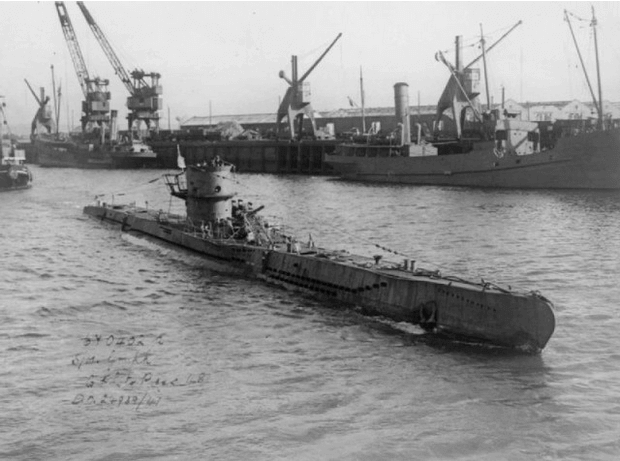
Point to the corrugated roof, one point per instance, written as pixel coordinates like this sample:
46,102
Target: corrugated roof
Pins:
241,118
201,121
271,118
374,111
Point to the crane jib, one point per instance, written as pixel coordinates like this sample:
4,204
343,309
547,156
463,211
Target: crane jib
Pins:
144,101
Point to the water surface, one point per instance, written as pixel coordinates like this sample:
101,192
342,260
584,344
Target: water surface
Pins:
115,347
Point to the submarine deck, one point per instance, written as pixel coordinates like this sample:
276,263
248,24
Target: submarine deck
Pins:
384,267
479,311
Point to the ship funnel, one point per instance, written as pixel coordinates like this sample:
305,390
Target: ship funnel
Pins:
113,126
401,105
208,197
458,45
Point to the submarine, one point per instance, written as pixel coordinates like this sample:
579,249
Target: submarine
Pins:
232,233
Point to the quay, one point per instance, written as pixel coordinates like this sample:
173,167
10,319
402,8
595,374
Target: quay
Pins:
252,156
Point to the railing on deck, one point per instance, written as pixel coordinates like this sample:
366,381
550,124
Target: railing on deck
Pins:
177,183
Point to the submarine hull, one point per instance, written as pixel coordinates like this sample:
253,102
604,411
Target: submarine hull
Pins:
451,306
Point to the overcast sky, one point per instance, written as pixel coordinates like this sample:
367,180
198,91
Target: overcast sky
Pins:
229,53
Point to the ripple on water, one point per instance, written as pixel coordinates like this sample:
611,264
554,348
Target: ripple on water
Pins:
284,376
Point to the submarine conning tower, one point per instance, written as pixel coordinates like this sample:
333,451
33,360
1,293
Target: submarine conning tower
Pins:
208,197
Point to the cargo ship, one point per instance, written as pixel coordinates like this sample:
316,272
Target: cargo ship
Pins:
98,143
515,159
489,149
237,239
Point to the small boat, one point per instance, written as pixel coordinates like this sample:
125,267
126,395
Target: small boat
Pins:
13,173
237,239
133,153
489,149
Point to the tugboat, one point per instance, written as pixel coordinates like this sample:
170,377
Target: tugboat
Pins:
13,173
234,235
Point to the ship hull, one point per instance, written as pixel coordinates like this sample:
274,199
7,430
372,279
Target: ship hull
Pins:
586,161
68,154
481,313
125,160
72,154
14,177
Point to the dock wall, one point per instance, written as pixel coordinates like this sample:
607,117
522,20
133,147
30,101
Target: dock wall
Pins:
276,157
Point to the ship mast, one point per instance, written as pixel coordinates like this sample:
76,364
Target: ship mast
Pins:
597,104
494,44
486,75
362,98
598,74
2,123
56,101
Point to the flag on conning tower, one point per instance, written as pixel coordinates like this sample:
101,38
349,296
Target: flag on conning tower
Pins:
180,159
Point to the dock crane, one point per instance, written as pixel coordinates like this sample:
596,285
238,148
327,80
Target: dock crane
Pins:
294,105
43,117
144,101
462,89
96,105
